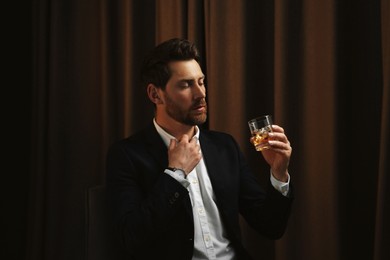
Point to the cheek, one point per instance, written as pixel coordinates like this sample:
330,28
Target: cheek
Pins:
183,98
180,97
177,100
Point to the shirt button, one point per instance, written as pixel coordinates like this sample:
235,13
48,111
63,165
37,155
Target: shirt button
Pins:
177,194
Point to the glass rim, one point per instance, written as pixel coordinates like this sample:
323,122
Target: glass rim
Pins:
263,117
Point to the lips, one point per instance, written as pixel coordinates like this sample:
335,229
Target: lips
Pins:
201,107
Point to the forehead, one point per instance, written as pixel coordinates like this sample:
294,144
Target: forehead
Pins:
188,69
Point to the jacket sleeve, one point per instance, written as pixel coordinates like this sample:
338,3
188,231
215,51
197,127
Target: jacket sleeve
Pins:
266,210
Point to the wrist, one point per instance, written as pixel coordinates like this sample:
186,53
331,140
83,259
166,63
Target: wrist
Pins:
283,177
174,169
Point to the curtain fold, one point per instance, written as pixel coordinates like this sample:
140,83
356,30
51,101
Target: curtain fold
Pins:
304,94
317,67
382,227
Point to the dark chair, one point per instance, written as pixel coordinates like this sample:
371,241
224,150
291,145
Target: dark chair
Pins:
100,241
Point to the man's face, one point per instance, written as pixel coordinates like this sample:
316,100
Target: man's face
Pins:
185,93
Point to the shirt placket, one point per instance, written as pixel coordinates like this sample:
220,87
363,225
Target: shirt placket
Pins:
200,214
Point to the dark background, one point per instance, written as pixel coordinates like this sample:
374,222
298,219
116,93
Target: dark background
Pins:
358,70
16,99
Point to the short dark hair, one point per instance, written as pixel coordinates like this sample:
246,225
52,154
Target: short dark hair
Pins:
155,68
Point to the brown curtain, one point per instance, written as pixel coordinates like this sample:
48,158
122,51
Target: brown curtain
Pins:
322,68
382,227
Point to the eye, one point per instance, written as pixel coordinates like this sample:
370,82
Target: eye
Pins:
201,81
184,85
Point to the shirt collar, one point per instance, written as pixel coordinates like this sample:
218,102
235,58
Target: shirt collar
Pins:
167,137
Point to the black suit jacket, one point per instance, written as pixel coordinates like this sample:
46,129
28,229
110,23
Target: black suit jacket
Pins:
152,211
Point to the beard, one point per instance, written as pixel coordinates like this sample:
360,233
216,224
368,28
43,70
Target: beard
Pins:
187,116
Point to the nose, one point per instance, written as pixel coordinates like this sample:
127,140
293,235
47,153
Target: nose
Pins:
199,91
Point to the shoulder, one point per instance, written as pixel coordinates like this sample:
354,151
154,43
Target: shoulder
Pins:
216,135
218,138
137,141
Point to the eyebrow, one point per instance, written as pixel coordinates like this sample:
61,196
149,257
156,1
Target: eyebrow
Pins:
191,80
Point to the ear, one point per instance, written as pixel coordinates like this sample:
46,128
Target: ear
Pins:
153,94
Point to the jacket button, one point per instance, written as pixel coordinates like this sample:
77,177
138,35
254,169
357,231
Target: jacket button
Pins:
177,194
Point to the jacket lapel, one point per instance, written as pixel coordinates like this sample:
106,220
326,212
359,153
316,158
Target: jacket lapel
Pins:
212,160
156,146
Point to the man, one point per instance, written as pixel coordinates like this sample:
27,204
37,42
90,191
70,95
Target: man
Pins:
176,191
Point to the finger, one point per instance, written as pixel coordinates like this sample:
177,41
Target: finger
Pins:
194,139
172,144
278,136
277,145
277,128
184,139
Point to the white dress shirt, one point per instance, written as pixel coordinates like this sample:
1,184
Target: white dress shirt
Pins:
210,240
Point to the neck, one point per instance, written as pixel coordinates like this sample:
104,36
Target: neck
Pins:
176,128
